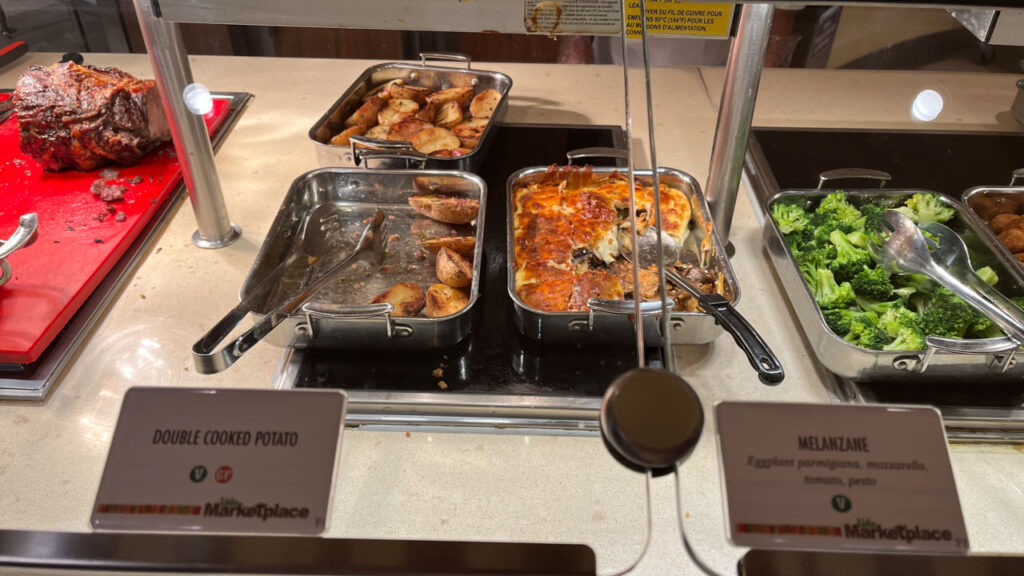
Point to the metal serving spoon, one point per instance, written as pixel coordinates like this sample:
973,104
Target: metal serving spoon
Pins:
769,369
207,361
906,250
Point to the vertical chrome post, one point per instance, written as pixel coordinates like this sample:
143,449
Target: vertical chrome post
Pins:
736,111
195,154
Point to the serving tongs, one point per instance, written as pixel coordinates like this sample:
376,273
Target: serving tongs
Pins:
24,236
761,358
905,250
372,244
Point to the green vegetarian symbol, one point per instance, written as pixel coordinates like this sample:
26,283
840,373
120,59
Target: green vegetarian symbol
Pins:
198,474
841,503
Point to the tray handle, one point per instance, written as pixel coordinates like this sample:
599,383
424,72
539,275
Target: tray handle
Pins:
404,151
383,310
993,346
1017,175
448,56
844,173
596,152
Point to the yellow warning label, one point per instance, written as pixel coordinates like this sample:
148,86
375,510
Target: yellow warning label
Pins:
604,17
673,18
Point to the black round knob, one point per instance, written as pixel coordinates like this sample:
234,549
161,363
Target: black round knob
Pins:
651,420
72,57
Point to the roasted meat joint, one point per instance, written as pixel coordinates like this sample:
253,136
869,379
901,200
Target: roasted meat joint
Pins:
82,117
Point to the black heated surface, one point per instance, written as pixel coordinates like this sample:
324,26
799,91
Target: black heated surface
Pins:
946,162
949,163
494,357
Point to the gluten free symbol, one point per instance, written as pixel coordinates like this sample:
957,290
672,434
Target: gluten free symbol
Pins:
223,474
841,503
198,474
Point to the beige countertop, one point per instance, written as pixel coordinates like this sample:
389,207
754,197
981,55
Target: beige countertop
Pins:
432,484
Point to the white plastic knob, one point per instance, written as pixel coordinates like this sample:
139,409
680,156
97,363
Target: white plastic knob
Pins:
197,99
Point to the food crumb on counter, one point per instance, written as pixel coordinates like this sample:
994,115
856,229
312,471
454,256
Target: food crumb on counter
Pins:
408,435
98,240
143,296
120,217
109,174
421,255
393,238
442,385
135,180
437,373
107,192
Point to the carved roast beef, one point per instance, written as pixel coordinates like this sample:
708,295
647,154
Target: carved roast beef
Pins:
72,116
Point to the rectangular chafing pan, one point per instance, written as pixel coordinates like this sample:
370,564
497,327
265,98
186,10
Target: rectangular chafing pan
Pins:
974,200
339,316
613,324
434,77
945,358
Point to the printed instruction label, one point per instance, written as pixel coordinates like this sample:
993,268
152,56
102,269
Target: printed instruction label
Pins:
603,17
221,460
838,477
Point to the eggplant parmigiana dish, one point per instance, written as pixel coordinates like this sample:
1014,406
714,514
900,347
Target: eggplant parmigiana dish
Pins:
571,228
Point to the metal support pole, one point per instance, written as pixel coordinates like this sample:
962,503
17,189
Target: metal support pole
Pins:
736,111
195,154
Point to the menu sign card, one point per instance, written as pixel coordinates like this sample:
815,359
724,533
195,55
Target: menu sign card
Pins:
222,461
828,477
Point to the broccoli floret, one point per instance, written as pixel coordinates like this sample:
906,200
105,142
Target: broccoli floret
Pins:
859,238
790,217
830,294
919,282
849,259
873,216
898,317
904,293
866,335
908,338
821,226
983,327
837,205
872,283
839,320
926,207
988,275
947,315
876,307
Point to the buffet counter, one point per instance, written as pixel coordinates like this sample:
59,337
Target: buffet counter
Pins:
427,483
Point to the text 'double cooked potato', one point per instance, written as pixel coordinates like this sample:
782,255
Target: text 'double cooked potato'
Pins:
448,209
406,298
452,269
443,300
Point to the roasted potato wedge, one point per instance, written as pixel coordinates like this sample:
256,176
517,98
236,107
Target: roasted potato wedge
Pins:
469,132
444,185
341,139
427,112
396,111
462,245
453,269
449,209
407,298
444,300
367,113
417,94
449,115
484,104
461,95
406,129
382,91
380,132
431,139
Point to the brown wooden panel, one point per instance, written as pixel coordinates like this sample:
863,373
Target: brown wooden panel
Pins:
509,47
334,43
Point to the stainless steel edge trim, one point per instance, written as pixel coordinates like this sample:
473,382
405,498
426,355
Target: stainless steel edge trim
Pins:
105,552
985,232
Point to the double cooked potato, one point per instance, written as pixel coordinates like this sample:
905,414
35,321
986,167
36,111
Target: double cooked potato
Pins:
443,123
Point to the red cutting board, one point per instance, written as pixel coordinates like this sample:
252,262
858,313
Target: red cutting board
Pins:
79,239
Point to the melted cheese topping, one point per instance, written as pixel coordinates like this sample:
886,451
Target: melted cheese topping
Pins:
572,212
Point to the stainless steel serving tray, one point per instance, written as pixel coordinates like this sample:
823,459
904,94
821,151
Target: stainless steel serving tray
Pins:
985,231
612,323
339,316
434,77
984,358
